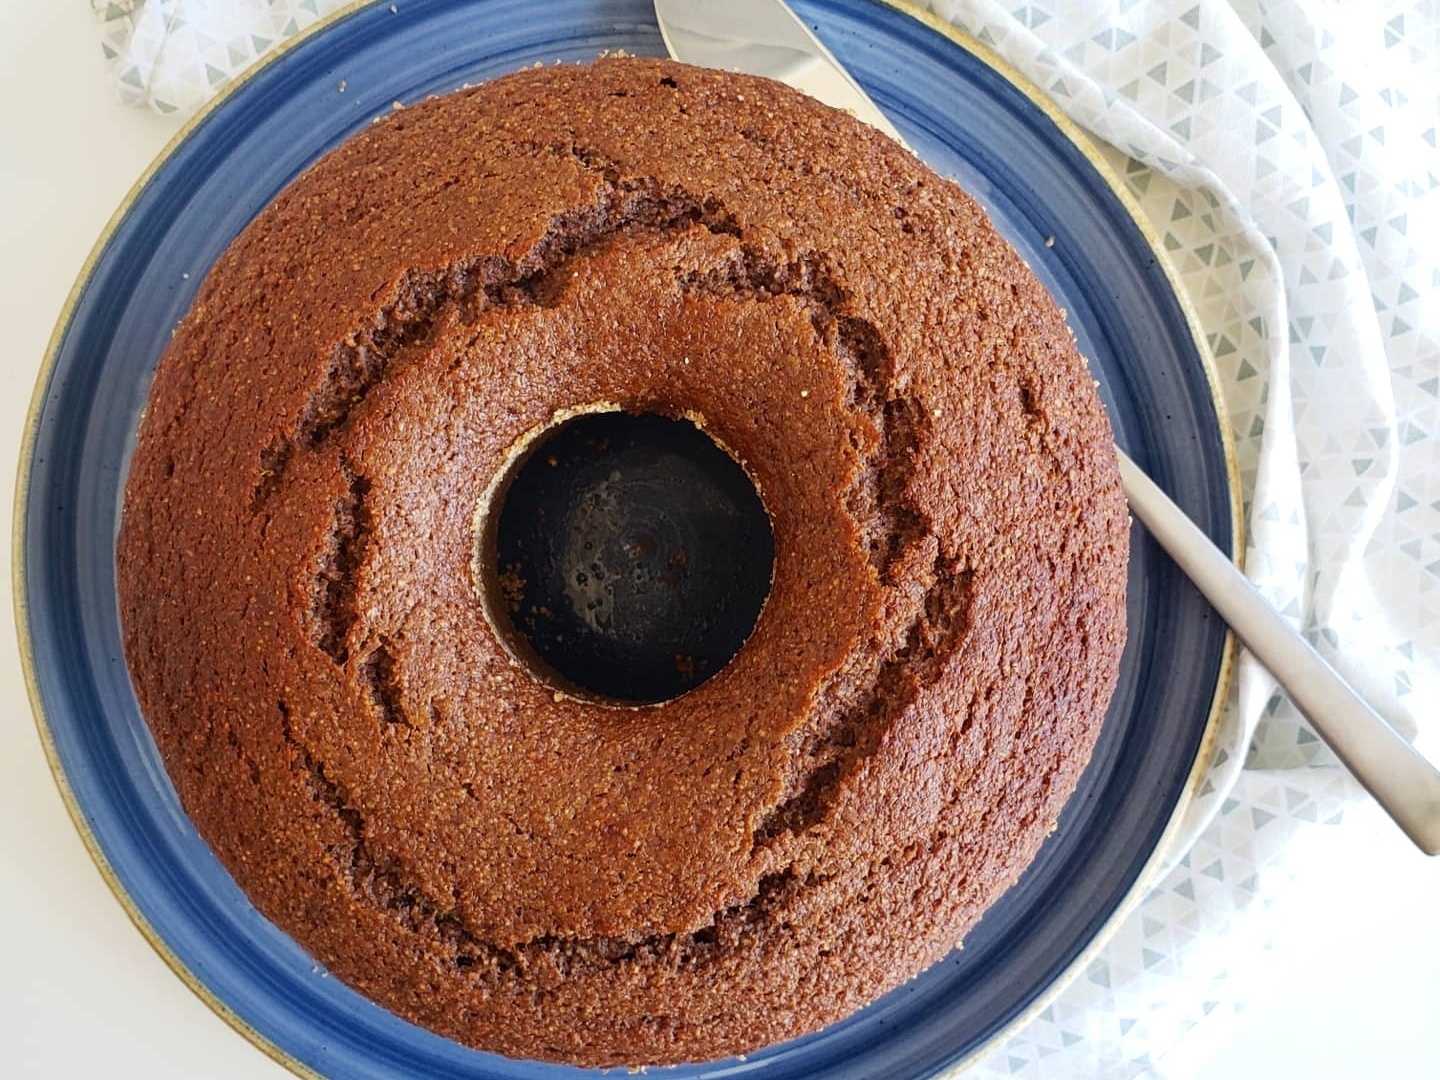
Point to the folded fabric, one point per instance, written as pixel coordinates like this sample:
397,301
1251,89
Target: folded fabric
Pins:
1286,154
173,55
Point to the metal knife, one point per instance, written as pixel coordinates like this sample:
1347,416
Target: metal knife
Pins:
764,37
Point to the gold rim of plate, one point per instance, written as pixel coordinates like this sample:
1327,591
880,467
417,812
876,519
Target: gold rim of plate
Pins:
965,41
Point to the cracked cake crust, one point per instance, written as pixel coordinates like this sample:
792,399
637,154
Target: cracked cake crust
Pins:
561,879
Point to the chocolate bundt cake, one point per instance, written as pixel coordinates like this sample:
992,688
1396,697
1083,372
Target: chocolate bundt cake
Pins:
334,668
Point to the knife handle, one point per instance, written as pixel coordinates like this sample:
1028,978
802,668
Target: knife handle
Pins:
1401,780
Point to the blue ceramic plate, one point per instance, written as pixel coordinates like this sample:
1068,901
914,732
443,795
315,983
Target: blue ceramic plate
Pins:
961,112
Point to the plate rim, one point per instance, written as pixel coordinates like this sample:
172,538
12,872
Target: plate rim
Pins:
44,378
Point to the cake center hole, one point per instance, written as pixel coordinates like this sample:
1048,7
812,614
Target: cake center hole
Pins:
629,557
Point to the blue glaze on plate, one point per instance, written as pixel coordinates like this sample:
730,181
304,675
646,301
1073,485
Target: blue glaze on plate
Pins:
968,121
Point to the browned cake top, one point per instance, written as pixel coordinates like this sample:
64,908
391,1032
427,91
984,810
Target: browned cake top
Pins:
549,877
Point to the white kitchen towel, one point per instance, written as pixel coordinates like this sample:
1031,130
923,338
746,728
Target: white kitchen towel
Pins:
173,55
1286,154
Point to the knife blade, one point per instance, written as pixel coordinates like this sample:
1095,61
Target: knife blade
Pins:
764,37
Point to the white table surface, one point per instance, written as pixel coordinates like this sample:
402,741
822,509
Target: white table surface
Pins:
1357,974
